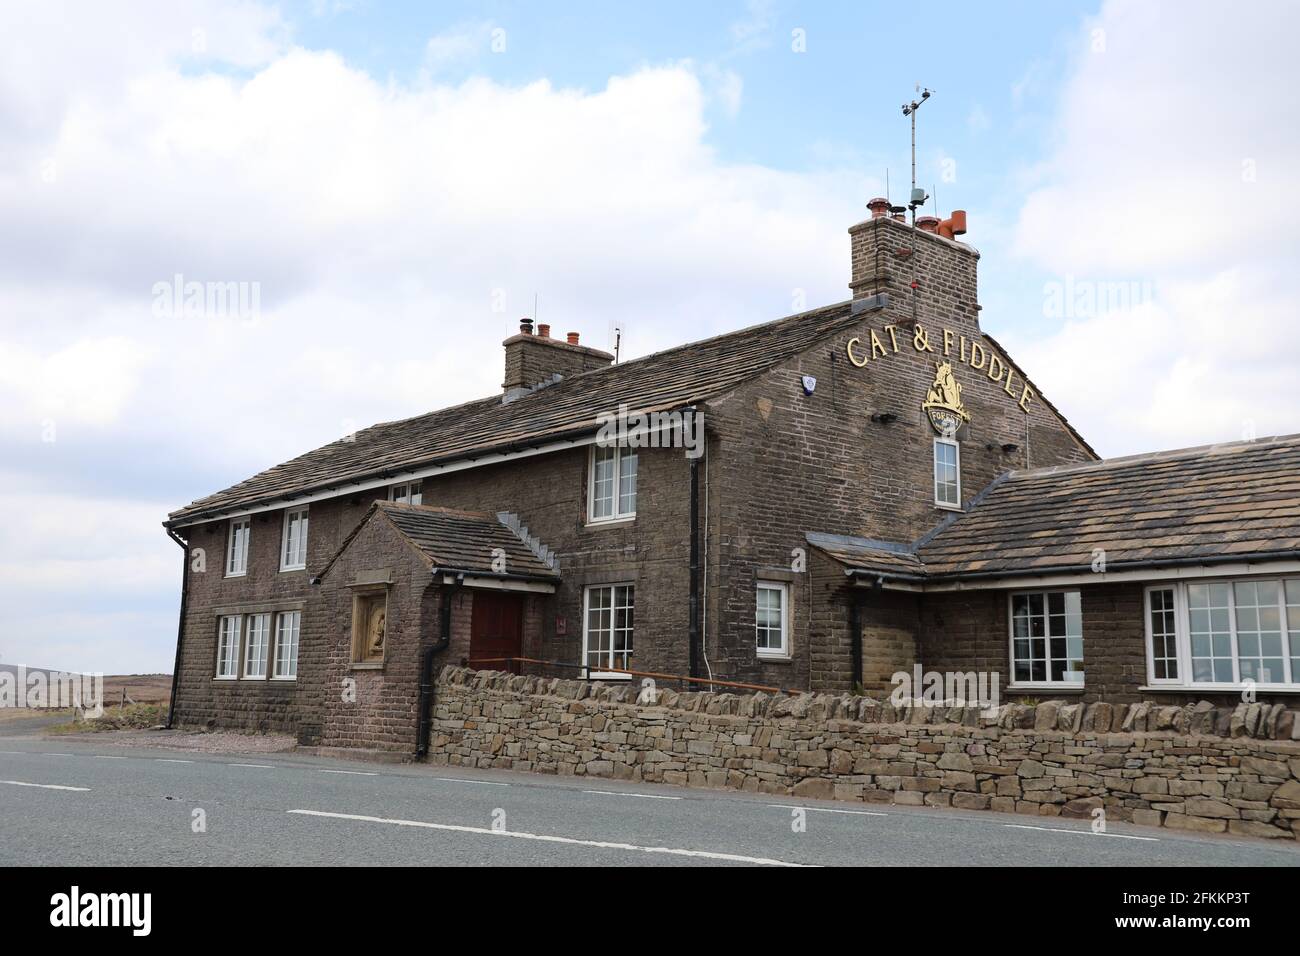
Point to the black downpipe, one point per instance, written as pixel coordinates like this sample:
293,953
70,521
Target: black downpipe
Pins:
855,643
425,703
694,633
180,624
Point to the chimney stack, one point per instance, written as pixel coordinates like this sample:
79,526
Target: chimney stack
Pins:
944,268
533,360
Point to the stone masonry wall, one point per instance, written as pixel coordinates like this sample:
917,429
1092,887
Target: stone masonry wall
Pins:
1142,763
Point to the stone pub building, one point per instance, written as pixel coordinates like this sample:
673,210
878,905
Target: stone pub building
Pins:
816,502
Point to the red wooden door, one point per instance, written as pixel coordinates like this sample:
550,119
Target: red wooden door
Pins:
496,629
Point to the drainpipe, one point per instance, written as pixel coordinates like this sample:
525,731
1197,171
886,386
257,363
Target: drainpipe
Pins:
694,632
180,624
855,643
424,705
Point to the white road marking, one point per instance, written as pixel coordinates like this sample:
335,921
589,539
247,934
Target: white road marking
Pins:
263,766
639,796
107,757
855,813
45,786
1117,836
547,838
357,773
56,755
171,760
481,783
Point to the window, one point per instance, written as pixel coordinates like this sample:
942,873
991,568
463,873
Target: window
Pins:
407,493
237,547
947,473
771,637
293,553
256,643
228,647
607,628
1047,638
1225,633
613,483
1162,618
287,625
369,626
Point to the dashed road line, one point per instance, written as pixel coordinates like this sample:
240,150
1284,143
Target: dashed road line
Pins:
1117,836
171,760
639,796
548,838
45,786
481,783
260,766
57,755
853,813
106,757
355,773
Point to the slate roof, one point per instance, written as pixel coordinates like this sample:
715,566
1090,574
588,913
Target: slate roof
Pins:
452,540
671,379
1213,503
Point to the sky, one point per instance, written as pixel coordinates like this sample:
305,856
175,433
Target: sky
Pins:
381,190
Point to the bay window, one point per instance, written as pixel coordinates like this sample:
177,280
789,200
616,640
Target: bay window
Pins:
1224,633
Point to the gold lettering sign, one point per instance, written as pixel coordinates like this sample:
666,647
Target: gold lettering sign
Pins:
973,354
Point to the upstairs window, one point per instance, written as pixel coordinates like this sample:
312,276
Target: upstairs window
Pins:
237,547
293,553
947,473
407,493
613,483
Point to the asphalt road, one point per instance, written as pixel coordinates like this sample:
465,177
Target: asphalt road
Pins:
81,803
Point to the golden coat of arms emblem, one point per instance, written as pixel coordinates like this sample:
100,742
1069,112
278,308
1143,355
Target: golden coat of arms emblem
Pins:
943,402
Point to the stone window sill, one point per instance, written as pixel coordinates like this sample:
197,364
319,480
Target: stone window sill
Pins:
1046,688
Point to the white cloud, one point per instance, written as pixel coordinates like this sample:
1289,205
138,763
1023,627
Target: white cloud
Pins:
1147,187
396,233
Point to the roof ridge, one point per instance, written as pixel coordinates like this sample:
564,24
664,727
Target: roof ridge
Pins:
1169,454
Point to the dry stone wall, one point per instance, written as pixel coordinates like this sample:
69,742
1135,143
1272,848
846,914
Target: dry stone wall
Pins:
1194,768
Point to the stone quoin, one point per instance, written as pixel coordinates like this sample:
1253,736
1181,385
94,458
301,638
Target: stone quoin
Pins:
830,498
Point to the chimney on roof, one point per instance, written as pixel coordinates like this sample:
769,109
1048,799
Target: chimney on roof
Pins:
532,360
887,254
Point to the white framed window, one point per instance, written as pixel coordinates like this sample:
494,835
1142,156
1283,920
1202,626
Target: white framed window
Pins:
947,473
1225,633
1162,635
607,628
237,547
293,549
287,626
407,493
1047,638
771,619
257,642
612,491
228,647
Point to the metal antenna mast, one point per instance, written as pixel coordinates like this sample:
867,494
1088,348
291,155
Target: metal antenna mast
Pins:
918,196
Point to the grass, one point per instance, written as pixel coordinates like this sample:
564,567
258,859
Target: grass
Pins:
131,717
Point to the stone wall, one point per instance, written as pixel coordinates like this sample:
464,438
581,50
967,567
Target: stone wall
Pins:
1197,767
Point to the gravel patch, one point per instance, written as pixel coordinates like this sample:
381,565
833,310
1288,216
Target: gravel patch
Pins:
217,742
